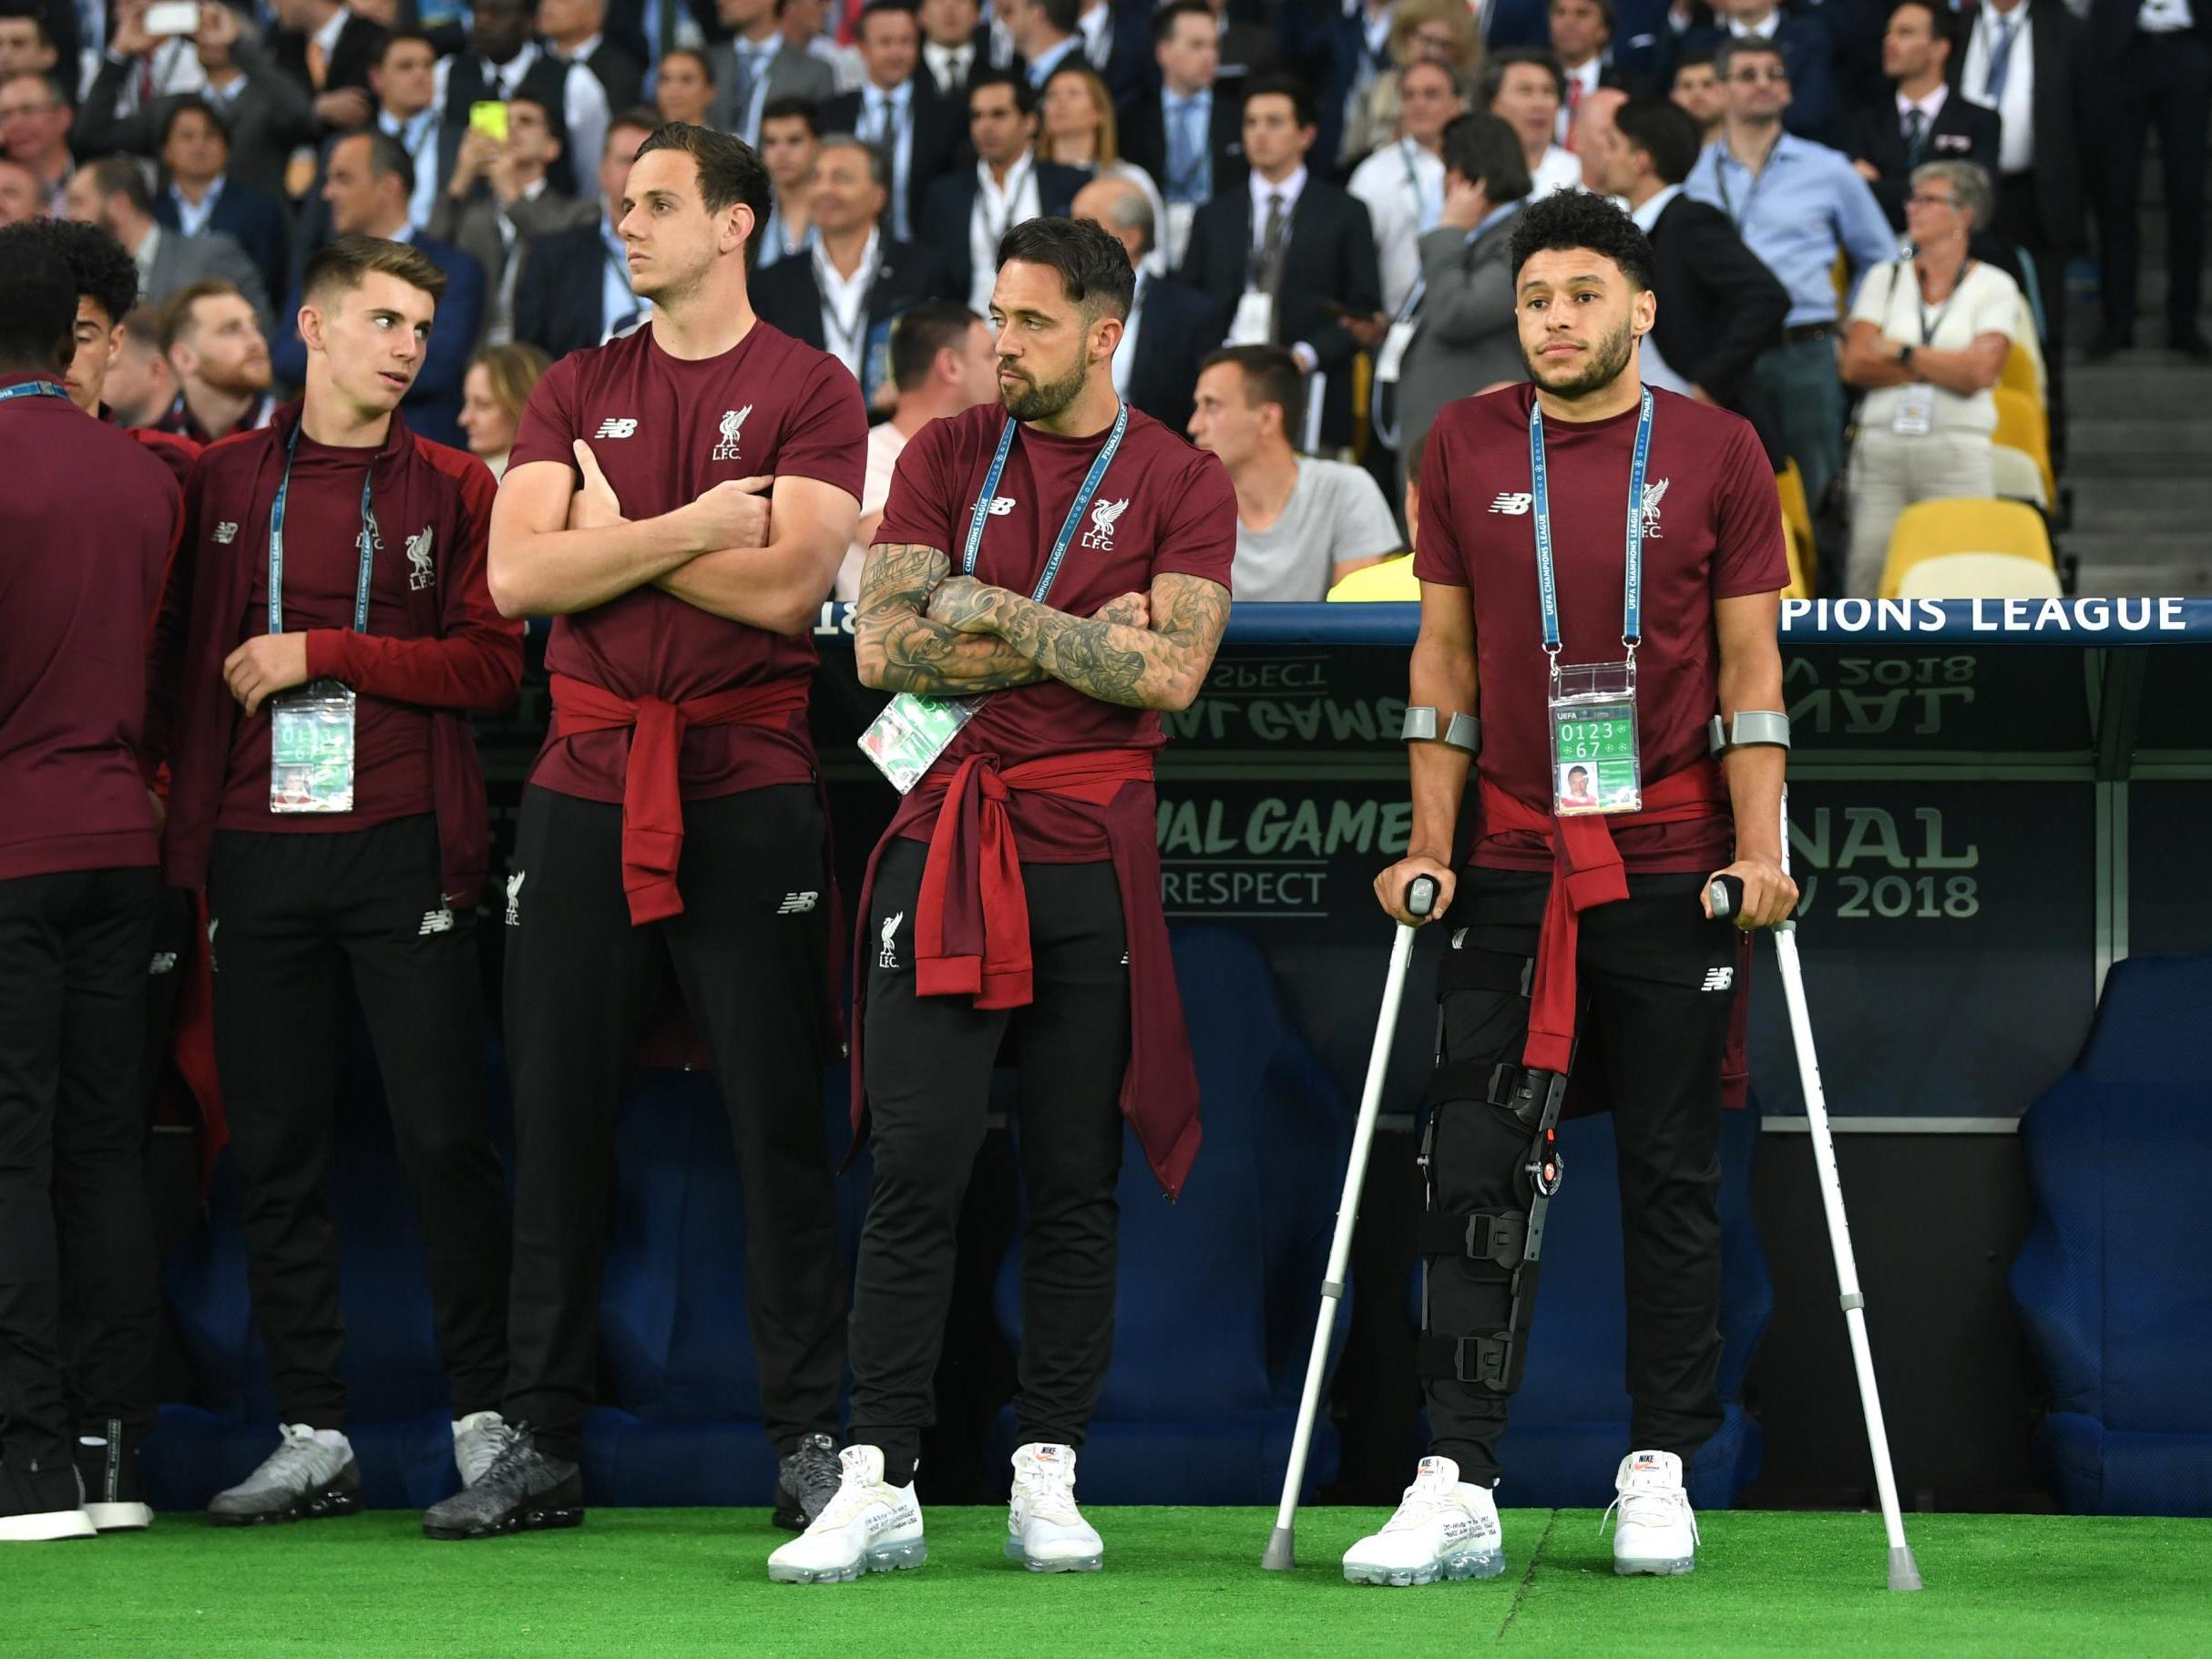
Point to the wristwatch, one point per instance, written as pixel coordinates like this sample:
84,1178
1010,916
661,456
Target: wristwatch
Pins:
1904,355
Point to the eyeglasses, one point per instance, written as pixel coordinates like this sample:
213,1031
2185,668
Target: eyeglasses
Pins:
14,111
1777,75
1921,199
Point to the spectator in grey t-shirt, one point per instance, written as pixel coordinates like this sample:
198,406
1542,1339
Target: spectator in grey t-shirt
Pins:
1302,525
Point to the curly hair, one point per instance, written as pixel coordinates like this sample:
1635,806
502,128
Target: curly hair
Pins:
1576,219
98,267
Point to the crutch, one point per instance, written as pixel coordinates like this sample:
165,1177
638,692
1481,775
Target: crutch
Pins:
1420,898
1727,896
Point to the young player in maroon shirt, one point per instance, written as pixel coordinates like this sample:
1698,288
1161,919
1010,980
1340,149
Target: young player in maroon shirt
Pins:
1563,905
1062,560
678,500
89,520
327,634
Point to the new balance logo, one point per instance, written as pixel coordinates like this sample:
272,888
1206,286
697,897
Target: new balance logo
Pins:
437,921
797,904
164,962
616,430
514,899
1001,506
1719,979
1513,503
226,532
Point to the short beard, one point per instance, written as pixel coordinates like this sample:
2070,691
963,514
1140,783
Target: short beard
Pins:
1612,357
1040,401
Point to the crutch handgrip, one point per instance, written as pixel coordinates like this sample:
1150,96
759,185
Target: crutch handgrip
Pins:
1726,895
1420,895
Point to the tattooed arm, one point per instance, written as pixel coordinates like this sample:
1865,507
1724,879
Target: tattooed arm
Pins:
901,650
1157,667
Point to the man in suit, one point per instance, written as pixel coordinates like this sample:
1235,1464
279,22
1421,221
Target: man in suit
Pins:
1464,335
577,31
1190,135
1045,33
2154,63
502,60
843,297
1170,324
367,187
326,49
404,80
202,195
111,193
1581,35
1287,256
965,214
2028,60
649,30
1117,42
757,65
1814,110
1924,122
1719,307
954,46
265,113
572,287
500,192
899,112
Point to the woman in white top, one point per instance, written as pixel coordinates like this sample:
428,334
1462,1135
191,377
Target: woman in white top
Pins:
1524,88
1926,341
493,394
1075,127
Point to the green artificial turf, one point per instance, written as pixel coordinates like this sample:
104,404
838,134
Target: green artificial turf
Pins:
635,1582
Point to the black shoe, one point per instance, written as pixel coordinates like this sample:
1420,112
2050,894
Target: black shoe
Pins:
805,1482
2112,338
38,1505
2190,341
108,1469
523,1491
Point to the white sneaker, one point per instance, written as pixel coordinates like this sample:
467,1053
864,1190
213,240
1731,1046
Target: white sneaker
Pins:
1444,1529
868,1527
1044,1530
1655,1532
478,1438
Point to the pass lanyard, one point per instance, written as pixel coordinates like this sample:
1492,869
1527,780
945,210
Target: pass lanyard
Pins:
276,546
1720,178
34,388
1547,583
1425,212
846,336
1928,329
1075,512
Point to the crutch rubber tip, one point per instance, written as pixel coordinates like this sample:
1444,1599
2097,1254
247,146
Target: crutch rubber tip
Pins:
1282,1554
1904,1572
1420,895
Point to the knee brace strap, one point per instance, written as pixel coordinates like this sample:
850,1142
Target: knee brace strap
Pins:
1465,1082
1497,1238
1485,1360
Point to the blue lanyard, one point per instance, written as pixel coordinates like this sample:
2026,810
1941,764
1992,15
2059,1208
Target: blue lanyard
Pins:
1075,512
1547,582
35,388
276,546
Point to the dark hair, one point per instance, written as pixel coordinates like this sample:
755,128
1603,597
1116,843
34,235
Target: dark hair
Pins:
729,171
1607,14
404,36
1938,19
1663,130
879,164
189,103
102,271
143,324
1409,458
790,109
877,8
1300,95
1094,266
37,300
1483,149
388,158
1066,16
1737,46
922,330
122,176
1025,95
1699,58
1495,66
1163,20
1452,75
177,310
32,13
1572,770
1576,219
706,64
343,263
1271,377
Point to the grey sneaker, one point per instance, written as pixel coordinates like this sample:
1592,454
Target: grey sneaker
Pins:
478,1438
302,1479
805,1482
523,1490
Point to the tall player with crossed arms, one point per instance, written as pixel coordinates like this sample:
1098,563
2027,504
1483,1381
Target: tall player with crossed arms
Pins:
678,499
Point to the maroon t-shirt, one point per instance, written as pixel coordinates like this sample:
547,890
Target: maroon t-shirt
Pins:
665,431
1711,530
1162,509
321,568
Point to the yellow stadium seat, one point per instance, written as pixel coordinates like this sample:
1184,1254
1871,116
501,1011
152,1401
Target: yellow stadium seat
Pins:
1937,529
1797,511
1800,567
2022,424
1979,576
2016,477
1392,581
2023,365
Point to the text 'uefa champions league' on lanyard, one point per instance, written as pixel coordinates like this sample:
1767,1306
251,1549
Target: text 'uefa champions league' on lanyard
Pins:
367,543
982,511
1547,581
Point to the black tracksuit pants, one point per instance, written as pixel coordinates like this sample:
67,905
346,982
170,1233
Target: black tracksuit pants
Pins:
1645,1012
292,919
929,1061
750,954
76,1245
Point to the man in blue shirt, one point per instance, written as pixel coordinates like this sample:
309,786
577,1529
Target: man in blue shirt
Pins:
1798,205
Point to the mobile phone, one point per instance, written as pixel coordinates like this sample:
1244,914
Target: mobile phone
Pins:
489,117
173,17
